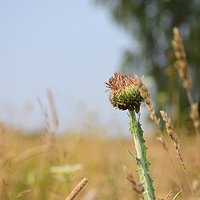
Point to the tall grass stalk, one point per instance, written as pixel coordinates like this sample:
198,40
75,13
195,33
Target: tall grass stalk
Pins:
182,67
146,98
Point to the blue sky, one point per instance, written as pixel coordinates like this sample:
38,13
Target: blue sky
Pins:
68,46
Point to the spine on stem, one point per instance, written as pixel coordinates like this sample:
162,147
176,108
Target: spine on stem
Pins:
142,162
125,95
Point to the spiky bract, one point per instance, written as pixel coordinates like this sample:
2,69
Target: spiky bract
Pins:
125,93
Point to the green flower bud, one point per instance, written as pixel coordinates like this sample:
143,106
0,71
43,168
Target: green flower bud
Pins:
125,93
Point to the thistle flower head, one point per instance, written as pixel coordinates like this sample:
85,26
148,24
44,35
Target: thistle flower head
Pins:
124,92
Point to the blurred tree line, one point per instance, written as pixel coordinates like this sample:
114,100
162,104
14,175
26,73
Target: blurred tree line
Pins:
150,24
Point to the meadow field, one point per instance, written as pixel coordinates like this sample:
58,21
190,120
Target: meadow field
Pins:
44,165
33,167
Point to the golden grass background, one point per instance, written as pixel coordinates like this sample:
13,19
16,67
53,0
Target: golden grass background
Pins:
26,160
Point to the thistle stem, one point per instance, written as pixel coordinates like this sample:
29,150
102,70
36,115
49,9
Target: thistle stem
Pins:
142,162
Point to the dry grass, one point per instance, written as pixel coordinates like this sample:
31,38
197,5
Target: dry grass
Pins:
182,67
103,161
77,189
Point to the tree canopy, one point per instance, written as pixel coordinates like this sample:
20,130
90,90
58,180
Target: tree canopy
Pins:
150,23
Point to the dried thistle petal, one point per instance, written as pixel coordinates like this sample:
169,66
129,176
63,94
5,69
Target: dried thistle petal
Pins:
125,93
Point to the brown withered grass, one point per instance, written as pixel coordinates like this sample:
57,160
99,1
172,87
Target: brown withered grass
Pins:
182,67
103,160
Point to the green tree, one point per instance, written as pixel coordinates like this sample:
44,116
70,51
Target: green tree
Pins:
150,24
